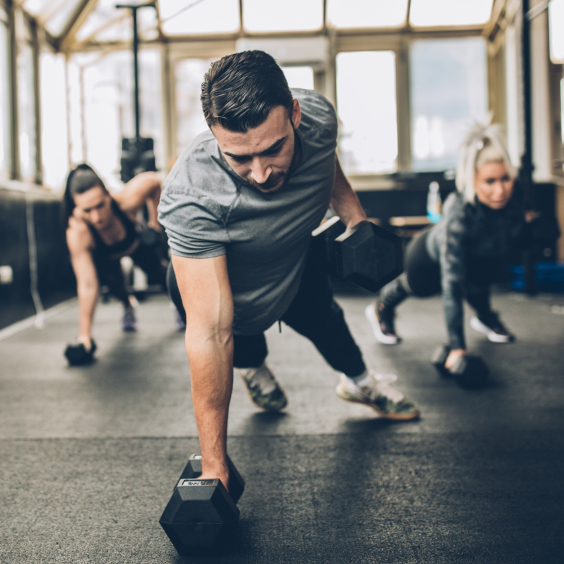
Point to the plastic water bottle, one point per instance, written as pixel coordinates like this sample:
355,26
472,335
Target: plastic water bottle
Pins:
434,203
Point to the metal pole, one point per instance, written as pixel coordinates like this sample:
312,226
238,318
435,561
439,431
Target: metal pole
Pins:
529,270
135,71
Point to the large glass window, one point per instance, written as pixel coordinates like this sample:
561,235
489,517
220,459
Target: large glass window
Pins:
54,139
556,30
101,98
197,17
299,77
448,93
26,110
75,106
290,15
366,103
5,144
449,12
190,120
360,13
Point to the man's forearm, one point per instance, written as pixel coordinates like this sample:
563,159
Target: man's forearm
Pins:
344,200
211,370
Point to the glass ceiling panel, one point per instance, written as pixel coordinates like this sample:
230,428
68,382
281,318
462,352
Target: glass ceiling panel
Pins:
290,15
99,24
57,23
199,16
430,13
36,7
556,31
360,13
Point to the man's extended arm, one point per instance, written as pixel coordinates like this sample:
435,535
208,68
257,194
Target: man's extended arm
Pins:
344,200
208,302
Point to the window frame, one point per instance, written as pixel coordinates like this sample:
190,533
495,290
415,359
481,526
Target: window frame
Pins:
6,16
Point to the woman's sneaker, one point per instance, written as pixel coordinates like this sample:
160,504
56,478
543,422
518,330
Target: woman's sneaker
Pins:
493,328
263,389
382,322
378,393
129,321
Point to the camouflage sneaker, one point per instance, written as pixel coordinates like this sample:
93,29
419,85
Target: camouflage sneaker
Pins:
493,328
379,395
129,321
264,390
382,322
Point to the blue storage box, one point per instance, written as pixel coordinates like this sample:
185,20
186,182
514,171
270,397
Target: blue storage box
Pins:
550,277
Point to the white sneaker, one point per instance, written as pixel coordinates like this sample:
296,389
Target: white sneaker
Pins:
378,394
497,333
263,389
383,329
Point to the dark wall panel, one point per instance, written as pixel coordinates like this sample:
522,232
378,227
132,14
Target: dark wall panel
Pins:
55,277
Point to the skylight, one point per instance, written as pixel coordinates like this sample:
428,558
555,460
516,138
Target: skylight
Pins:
360,13
431,13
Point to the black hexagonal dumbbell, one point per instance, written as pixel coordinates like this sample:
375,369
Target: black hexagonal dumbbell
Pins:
438,360
366,255
200,511
469,371
77,355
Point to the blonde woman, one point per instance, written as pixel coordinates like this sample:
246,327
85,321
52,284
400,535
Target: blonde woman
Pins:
460,256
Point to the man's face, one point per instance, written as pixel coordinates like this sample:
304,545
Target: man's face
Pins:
262,157
94,206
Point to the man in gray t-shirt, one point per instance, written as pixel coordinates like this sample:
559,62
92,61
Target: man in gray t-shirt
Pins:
239,207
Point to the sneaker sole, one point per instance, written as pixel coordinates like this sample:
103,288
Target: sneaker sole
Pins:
492,336
383,414
370,314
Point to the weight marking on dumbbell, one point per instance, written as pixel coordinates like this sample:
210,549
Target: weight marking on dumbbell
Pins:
195,483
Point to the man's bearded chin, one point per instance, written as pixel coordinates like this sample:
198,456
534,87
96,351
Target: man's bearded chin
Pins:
272,184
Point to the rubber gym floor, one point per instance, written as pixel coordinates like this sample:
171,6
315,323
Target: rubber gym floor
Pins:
89,456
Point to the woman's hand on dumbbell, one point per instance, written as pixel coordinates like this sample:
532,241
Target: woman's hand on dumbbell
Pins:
453,356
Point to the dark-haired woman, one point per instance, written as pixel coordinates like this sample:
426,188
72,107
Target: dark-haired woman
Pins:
102,228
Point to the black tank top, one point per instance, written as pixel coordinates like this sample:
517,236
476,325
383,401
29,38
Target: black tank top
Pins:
102,249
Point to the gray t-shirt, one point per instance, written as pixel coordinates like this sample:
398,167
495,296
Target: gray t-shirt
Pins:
208,211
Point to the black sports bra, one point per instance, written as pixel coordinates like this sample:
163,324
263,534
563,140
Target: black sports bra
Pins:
102,249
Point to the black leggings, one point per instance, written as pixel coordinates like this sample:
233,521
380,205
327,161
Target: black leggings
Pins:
423,277
313,313
423,274
145,257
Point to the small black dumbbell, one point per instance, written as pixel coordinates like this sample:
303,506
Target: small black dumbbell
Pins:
77,355
193,470
438,360
469,371
366,255
200,510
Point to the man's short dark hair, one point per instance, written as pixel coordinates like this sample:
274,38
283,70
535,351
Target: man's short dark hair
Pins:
240,90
